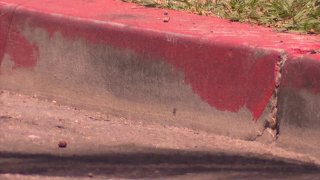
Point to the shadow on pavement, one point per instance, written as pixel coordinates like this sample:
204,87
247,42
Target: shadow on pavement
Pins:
153,163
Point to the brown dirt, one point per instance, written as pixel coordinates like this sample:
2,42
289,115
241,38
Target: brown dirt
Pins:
102,146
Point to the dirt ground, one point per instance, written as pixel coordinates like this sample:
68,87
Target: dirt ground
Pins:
105,146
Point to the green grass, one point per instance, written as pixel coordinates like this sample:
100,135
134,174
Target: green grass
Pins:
283,15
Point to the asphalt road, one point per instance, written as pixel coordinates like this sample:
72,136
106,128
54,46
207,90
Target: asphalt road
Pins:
108,146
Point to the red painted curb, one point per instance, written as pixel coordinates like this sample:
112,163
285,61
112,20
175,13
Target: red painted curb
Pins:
231,66
299,92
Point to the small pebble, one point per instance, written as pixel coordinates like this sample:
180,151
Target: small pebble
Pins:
33,137
62,144
90,175
166,19
60,127
174,111
311,31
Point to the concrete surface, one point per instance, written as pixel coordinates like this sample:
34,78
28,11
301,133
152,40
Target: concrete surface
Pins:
202,73
108,146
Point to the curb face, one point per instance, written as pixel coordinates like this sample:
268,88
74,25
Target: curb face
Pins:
299,92
223,75
218,75
5,20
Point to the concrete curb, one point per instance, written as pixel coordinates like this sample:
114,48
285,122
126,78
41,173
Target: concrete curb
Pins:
200,72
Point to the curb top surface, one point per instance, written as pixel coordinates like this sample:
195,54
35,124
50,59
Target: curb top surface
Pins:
180,23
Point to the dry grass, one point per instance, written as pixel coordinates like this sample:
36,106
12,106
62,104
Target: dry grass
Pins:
283,15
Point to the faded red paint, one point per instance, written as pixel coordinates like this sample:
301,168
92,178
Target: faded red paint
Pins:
219,59
6,13
12,43
21,51
303,73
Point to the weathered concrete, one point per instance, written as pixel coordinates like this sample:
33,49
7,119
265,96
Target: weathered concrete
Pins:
200,72
299,103
103,146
